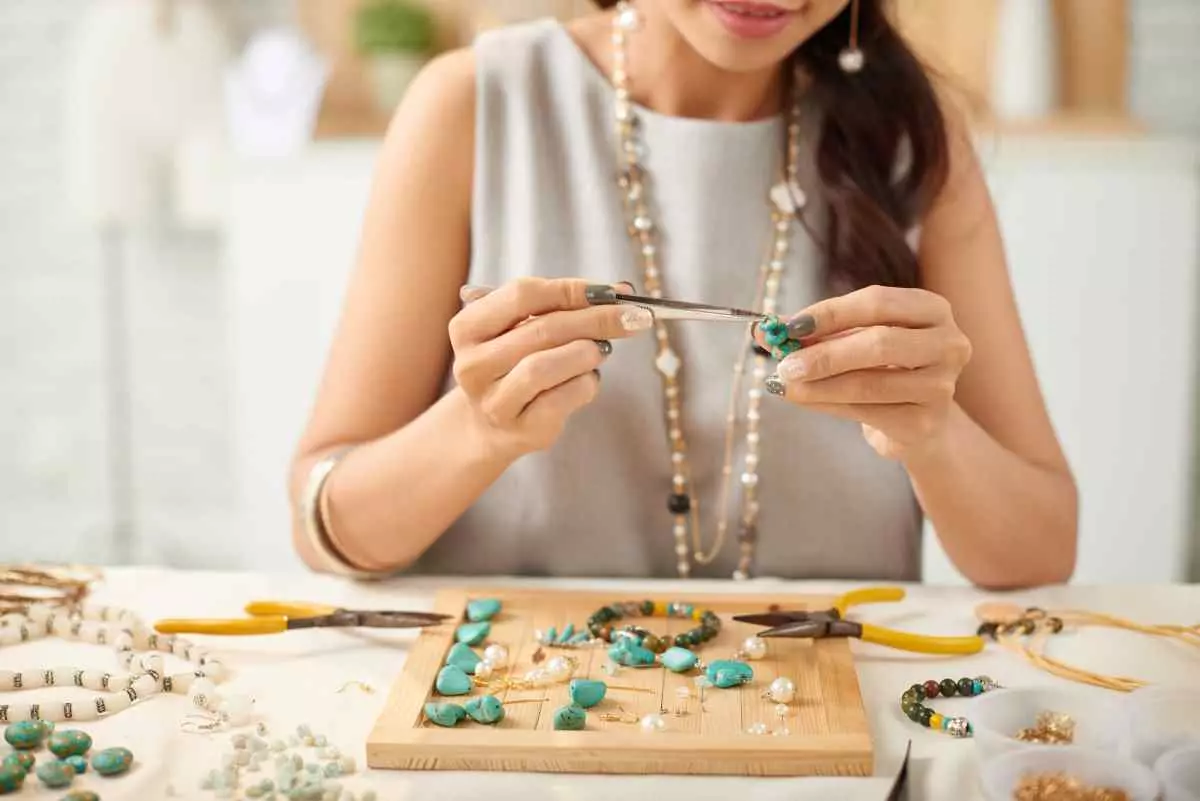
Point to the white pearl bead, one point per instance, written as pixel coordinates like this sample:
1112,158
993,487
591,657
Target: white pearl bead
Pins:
497,654
237,709
782,690
537,677
756,728
558,668
653,723
203,694
483,670
754,648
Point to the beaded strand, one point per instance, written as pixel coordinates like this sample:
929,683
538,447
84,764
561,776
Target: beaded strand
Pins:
910,703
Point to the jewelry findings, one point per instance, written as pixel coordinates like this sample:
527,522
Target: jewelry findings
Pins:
1050,728
1061,787
852,59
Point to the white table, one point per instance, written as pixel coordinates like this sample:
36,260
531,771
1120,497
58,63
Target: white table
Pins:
294,678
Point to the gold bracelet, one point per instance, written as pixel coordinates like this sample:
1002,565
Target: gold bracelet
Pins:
313,516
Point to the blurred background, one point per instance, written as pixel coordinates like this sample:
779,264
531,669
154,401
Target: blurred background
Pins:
181,183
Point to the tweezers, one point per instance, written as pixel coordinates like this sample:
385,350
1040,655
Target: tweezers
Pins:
664,309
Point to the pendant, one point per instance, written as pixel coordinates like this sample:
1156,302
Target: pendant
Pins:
788,197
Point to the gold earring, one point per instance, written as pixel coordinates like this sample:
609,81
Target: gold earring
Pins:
852,59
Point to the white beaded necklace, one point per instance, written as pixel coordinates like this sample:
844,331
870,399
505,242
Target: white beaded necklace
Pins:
785,198
127,635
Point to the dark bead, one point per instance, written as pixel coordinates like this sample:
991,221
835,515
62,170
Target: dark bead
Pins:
966,687
926,714
682,641
918,690
949,688
914,713
909,697
679,504
987,630
1055,624
906,707
647,608
1027,626
931,689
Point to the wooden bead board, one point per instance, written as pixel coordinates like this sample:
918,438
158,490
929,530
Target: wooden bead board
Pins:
828,734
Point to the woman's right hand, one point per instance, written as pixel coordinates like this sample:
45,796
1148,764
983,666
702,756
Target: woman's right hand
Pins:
526,355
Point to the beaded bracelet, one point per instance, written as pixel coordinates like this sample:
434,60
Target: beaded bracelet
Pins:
911,700
600,624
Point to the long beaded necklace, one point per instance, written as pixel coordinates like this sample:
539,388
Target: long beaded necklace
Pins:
127,635
784,200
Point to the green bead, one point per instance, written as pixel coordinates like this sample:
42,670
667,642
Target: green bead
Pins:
69,742
11,778
949,688
631,655
21,759
678,660
80,795
55,773
112,761
444,714
926,714
909,697
789,346
647,608
569,718
473,633
586,693
78,762
914,713
726,673
451,680
484,709
775,336
482,609
965,686
918,691
462,657
26,735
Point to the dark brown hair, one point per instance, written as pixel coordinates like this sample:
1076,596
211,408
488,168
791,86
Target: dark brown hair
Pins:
882,154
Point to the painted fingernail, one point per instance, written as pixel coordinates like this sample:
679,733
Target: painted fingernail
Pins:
791,369
635,318
801,326
774,384
627,286
470,292
600,294
605,347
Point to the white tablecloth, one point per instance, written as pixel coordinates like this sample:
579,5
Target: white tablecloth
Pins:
294,679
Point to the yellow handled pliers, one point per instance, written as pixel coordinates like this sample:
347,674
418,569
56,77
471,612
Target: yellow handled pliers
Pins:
272,617
832,622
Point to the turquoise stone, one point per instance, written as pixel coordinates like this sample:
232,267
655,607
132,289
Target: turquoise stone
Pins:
11,778
463,658
586,693
55,773
482,609
112,761
473,633
69,742
80,795
25,735
580,638
569,718
551,635
77,761
678,659
452,680
729,673
444,714
567,633
631,655
21,759
485,709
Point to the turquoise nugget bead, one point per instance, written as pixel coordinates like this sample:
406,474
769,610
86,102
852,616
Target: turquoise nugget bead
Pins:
20,759
452,680
485,709
569,718
55,774
78,762
444,714
586,693
729,673
11,778
463,658
25,735
69,742
775,336
631,655
678,659
473,633
567,633
482,609
80,795
112,761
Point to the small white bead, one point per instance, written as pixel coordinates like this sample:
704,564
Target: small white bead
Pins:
237,709
756,728
782,690
484,670
497,654
754,648
558,668
739,575
681,549
749,479
653,723
781,710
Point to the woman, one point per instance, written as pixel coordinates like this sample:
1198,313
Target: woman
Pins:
481,413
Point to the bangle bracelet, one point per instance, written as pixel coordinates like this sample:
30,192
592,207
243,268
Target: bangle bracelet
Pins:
911,704
313,516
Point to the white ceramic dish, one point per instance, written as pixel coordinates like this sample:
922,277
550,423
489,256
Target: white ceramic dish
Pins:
1179,773
1001,776
1162,719
996,717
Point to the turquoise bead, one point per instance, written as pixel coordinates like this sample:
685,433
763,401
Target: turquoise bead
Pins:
567,633
78,762
775,336
580,638
569,718
977,687
21,759
462,657
112,761
55,773
473,633
631,655
729,673
586,693
26,735
678,659
11,778
444,714
482,609
69,742
485,709
452,680
80,795
552,635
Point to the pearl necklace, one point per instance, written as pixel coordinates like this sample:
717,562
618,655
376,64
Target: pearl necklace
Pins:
785,199
127,635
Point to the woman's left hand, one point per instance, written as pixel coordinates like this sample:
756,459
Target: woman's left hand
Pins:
887,358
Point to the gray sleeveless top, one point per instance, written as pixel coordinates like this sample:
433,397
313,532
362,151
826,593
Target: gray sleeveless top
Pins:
546,203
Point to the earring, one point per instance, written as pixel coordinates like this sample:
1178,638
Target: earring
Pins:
852,59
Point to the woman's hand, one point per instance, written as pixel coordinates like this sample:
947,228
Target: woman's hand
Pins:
526,355
887,358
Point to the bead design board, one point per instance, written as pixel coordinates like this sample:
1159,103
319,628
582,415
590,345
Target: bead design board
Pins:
828,733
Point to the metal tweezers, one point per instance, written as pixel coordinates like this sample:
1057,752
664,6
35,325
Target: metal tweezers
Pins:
664,309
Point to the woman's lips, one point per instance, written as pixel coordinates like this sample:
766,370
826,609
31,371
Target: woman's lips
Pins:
751,20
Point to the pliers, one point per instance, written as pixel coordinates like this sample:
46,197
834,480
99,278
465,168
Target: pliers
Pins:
832,623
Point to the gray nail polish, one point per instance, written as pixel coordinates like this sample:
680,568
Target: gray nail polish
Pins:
802,326
605,347
774,384
600,294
